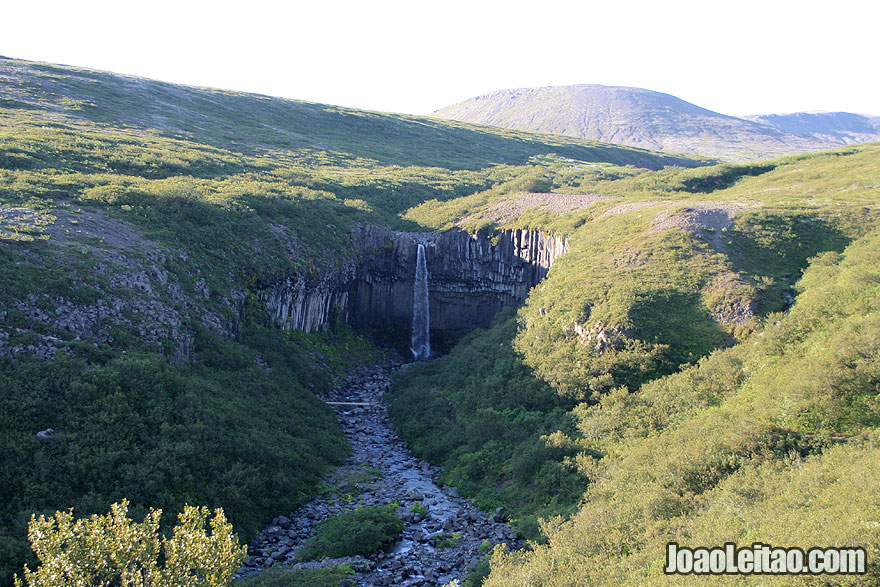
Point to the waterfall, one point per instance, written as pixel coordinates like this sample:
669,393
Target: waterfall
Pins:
421,343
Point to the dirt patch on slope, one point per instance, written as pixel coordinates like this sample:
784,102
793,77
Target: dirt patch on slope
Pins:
630,207
711,219
510,209
93,227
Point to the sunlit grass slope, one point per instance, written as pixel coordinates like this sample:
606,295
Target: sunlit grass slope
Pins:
713,329
772,441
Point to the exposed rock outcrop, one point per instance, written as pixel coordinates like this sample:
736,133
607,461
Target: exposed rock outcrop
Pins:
120,287
600,337
300,303
471,277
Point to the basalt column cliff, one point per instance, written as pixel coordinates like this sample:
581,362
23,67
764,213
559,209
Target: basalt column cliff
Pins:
470,278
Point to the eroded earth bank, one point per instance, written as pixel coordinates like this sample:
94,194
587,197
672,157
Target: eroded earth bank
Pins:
435,547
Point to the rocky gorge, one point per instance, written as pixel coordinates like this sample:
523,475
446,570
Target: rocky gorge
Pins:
469,278
444,536
133,293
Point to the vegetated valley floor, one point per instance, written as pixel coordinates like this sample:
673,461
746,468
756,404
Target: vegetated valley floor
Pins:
701,366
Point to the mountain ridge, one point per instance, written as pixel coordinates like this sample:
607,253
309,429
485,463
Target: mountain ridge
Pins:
843,128
659,121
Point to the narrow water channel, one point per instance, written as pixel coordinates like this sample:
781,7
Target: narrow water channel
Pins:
443,544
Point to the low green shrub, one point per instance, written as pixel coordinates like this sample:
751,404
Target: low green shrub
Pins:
361,531
447,540
281,577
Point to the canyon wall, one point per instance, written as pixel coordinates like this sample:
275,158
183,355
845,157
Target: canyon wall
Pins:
471,277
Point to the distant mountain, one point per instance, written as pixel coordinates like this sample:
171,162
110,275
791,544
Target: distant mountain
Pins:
840,128
658,121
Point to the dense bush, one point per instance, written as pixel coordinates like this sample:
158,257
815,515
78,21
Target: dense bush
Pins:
361,531
112,549
223,432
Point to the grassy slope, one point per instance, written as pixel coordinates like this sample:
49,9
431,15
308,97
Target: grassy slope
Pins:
77,134
255,124
660,293
745,446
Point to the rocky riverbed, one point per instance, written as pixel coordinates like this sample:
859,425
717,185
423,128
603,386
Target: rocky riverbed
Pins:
444,535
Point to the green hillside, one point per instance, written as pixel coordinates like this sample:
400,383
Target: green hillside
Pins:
260,125
700,366
774,441
696,391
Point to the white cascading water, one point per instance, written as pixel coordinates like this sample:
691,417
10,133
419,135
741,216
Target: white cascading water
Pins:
421,342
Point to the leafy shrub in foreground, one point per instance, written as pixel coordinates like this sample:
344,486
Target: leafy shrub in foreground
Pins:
113,550
361,531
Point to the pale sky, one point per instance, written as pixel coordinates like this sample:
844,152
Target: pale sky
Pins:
740,57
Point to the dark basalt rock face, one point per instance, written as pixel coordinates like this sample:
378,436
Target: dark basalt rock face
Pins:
471,278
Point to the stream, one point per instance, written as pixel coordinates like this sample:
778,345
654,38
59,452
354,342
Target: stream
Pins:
433,549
